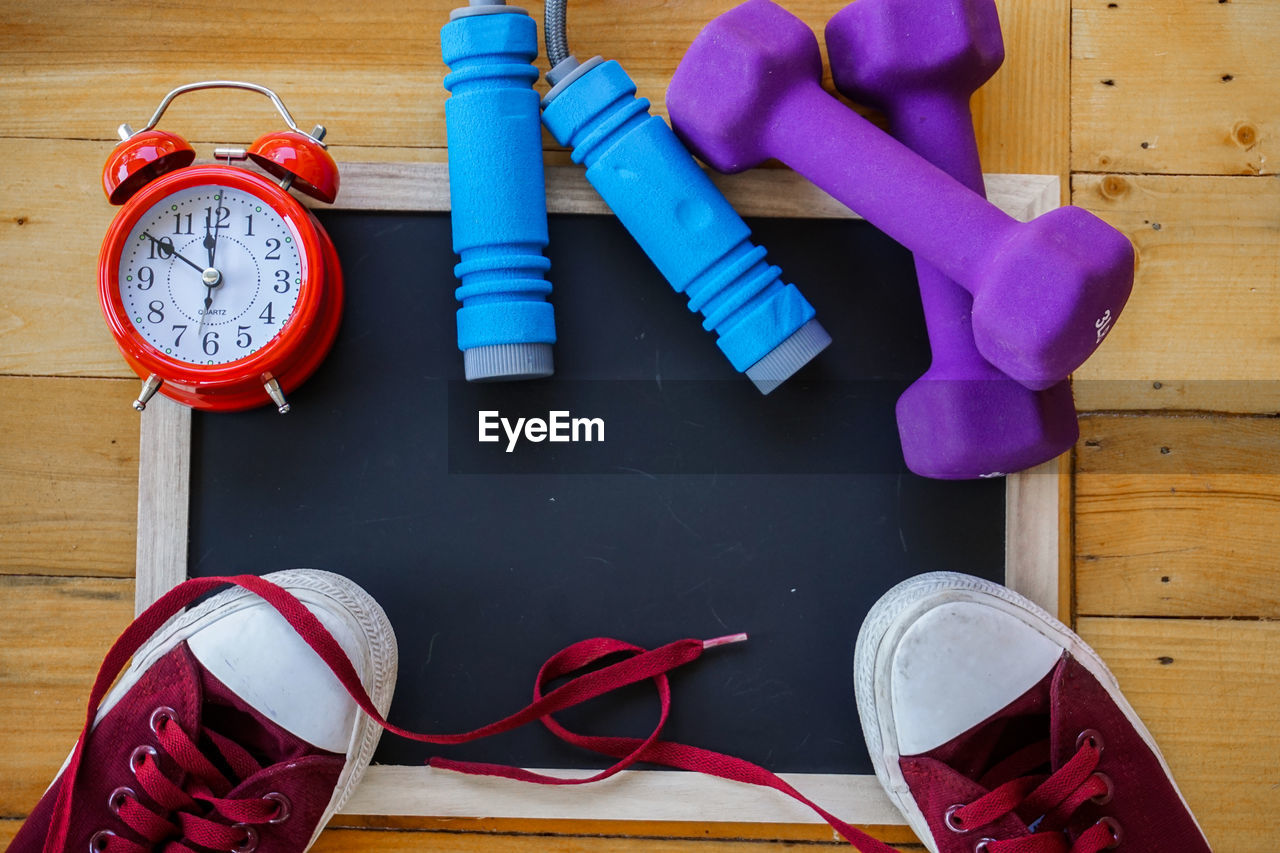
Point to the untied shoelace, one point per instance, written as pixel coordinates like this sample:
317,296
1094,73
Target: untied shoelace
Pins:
638,665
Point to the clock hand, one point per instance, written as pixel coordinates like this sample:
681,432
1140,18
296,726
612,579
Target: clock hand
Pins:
211,278
211,234
173,252
210,242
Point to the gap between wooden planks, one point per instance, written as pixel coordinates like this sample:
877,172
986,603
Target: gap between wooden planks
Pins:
1178,515
1209,691
1199,331
372,72
68,477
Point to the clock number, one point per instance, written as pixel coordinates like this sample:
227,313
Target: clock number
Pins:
248,225
273,249
282,281
162,249
146,278
177,224
177,342
242,337
156,314
267,316
210,344
222,213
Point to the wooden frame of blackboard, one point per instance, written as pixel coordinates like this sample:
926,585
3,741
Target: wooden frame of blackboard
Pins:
1037,518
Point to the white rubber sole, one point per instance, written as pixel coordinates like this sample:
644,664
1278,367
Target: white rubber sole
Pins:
325,590
879,636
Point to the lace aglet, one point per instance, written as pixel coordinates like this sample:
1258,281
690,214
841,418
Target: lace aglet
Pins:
724,641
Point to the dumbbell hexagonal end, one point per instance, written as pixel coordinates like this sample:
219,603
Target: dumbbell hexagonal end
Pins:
879,47
963,429
1051,294
733,74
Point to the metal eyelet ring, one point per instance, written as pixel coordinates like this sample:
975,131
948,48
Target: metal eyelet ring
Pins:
1092,736
250,842
1117,833
98,842
983,845
116,801
953,823
160,716
283,806
1105,797
139,755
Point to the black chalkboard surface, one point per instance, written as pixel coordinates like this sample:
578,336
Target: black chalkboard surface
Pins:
708,509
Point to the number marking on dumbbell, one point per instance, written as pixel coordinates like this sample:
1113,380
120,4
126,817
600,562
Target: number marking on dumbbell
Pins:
1103,324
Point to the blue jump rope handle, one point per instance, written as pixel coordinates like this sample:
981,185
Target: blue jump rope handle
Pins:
497,193
676,214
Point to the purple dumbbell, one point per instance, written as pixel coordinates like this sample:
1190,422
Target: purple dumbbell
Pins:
1045,292
920,61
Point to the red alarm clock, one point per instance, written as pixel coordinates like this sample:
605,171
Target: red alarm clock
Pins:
221,290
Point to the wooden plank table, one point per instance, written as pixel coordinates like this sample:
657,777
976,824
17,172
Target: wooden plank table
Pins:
1160,115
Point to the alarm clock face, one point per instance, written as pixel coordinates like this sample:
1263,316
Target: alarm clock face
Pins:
210,274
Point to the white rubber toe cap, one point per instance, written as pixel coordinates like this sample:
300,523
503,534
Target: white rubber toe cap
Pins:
958,664
255,653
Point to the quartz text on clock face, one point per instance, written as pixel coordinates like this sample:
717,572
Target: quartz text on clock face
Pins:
210,274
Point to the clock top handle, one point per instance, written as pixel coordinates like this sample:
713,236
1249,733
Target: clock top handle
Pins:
299,160
125,131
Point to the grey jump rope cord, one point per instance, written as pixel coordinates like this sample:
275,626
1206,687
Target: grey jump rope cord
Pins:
554,32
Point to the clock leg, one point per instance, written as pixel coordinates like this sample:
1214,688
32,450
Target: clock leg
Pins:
149,389
277,396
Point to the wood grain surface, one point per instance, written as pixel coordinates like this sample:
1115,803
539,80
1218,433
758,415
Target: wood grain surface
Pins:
1181,87
372,74
1200,331
452,840
1178,515
1208,691
68,477
1183,137
53,634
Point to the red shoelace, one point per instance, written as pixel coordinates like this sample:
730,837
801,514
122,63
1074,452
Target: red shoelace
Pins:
1045,802
201,813
187,812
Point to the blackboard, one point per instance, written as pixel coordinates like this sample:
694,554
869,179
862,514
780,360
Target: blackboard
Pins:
708,508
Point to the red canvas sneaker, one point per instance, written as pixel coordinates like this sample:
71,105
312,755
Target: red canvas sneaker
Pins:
227,732
995,729
244,723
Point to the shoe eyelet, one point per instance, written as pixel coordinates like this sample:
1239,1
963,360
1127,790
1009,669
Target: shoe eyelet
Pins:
1117,833
954,823
283,807
116,801
141,754
250,842
1105,797
1092,736
983,845
160,716
98,842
